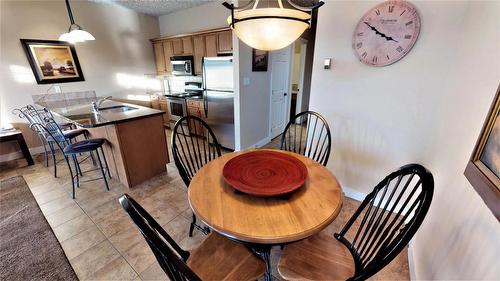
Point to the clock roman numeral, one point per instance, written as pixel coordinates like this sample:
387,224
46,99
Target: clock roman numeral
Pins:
388,57
359,45
399,49
407,36
359,34
402,13
408,23
364,55
377,12
374,59
391,9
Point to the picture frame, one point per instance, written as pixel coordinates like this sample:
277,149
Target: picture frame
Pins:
260,60
483,168
52,61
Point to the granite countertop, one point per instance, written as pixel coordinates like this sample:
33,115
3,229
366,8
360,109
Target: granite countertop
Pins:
111,112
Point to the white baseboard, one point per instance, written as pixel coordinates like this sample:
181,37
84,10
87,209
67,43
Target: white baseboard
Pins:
411,262
351,193
260,143
19,154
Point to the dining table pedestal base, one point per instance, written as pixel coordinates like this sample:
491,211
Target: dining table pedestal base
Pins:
263,252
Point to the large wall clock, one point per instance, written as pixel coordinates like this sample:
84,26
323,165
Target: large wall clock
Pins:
386,33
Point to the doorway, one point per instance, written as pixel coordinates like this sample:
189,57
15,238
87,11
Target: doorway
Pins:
280,89
297,77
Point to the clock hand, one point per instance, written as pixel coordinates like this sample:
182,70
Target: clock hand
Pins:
388,38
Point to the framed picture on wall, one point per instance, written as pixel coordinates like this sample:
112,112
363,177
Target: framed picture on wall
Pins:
483,169
259,60
52,61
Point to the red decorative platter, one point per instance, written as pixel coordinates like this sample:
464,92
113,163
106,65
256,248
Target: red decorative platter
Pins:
265,173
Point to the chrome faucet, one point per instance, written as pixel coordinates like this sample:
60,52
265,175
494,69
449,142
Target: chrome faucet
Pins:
96,105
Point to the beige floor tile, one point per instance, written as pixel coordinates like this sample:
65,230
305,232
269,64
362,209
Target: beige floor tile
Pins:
114,224
105,211
92,260
81,242
72,227
63,215
140,256
118,269
46,197
154,273
57,204
178,228
126,238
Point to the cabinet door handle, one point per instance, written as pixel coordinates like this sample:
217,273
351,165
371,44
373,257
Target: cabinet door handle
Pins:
285,94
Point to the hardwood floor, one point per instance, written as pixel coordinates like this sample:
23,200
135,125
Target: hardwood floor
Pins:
102,243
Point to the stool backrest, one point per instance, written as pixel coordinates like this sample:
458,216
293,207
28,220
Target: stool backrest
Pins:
388,218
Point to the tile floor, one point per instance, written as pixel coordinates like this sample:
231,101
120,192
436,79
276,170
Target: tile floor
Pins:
102,243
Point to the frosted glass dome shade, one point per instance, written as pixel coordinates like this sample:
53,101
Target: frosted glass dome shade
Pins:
269,28
76,35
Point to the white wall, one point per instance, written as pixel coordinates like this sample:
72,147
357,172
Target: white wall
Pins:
427,108
121,47
204,17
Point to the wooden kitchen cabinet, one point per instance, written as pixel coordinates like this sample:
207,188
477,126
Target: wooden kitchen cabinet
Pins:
195,108
198,52
168,51
159,57
211,45
162,101
177,46
225,42
187,45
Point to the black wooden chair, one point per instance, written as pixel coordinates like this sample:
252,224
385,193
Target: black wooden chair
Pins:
377,232
308,134
193,145
217,258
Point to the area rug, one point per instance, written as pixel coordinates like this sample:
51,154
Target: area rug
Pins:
29,250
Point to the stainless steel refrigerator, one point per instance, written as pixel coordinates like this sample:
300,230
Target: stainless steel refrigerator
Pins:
218,98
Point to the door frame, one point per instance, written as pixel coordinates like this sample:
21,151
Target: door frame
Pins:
303,53
288,99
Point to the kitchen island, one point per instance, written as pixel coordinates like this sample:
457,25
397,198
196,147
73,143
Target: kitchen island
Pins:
136,147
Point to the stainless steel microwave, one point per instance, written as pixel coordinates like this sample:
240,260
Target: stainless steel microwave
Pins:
182,65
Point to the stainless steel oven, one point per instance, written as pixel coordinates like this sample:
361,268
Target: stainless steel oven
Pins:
182,65
177,108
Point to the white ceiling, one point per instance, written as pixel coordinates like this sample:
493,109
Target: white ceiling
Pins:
158,7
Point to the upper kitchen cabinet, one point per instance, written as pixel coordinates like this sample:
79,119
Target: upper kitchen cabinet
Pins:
168,51
187,45
211,45
225,42
177,47
159,57
198,53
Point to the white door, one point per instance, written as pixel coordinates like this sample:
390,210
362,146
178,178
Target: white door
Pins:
280,75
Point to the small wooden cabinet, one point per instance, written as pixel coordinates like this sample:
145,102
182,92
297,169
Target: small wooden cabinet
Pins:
199,45
187,45
224,42
211,45
195,108
159,58
199,52
168,51
177,46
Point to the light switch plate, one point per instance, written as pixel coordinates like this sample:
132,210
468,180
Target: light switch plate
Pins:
327,64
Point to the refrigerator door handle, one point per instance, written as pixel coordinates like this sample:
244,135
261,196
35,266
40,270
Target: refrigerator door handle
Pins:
205,97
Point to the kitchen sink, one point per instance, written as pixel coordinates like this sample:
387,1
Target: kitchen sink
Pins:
118,108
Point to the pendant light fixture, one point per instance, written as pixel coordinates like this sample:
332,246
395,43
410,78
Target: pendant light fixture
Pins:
269,28
75,32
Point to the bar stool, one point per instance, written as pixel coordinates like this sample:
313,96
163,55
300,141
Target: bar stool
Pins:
87,146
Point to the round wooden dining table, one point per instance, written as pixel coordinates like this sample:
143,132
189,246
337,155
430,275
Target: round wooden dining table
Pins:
261,222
